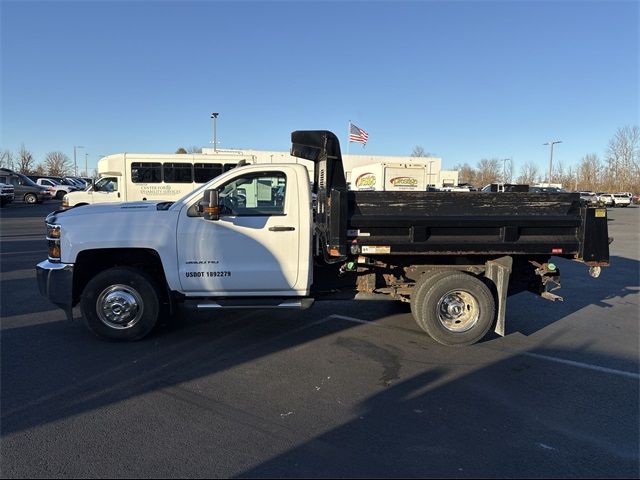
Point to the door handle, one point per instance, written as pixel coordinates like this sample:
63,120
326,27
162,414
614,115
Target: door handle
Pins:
281,229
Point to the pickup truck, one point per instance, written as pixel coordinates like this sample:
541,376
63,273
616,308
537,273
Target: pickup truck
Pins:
258,236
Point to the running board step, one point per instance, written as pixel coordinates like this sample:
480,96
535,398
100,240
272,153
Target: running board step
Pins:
293,303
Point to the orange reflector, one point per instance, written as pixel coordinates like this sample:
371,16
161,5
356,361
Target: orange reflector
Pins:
54,250
334,252
556,250
211,209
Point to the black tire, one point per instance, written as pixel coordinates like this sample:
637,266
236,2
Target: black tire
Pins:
60,194
423,284
112,290
30,198
455,309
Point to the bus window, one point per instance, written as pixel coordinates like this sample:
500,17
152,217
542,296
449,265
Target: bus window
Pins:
146,172
229,166
177,173
203,172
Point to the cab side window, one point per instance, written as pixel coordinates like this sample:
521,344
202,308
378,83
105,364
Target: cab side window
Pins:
107,185
257,194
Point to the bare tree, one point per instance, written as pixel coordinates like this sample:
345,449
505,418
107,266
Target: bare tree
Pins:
418,151
623,160
40,171
466,174
6,159
507,170
488,171
194,149
589,172
57,164
528,173
26,163
181,151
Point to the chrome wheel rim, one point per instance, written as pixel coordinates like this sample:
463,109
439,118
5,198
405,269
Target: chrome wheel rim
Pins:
458,311
119,307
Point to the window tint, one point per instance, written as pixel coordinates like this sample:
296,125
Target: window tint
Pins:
146,172
259,194
229,166
203,172
177,173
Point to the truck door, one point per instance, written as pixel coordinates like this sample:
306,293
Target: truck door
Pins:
253,247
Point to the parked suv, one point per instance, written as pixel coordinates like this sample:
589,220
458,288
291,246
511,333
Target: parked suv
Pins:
621,200
25,188
59,189
7,194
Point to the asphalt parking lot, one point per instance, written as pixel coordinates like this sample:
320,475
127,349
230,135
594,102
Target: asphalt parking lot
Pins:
344,389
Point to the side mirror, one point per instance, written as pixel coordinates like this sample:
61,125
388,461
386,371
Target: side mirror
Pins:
209,207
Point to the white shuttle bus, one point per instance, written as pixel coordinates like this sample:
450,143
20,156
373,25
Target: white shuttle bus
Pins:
129,177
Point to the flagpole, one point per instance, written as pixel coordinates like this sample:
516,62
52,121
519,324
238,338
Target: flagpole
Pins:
348,136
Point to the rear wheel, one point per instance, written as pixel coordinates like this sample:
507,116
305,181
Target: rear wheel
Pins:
30,198
455,309
424,283
121,303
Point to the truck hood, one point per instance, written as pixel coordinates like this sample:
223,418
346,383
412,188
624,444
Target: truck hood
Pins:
103,208
145,225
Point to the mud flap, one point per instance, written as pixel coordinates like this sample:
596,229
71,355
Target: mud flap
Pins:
499,271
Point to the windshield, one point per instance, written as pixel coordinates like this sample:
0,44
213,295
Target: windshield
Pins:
27,181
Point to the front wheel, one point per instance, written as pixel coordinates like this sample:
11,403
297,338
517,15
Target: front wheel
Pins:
30,198
457,309
60,194
121,303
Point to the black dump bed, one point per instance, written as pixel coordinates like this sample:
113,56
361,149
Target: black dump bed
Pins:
451,223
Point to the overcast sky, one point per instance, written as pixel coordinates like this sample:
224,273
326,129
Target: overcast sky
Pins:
464,80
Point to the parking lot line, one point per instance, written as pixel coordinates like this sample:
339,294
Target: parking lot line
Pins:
587,366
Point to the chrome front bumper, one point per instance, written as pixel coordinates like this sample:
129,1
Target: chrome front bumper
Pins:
55,281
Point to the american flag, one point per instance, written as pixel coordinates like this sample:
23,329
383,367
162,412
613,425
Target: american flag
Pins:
357,134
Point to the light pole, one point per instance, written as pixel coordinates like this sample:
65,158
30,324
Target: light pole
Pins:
551,143
214,116
86,170
75,163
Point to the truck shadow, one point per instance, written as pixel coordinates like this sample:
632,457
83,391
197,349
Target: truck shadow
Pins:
528,313
429,426
426,418
196,346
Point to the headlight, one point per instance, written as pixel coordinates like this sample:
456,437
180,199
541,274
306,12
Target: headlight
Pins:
65,202
53,242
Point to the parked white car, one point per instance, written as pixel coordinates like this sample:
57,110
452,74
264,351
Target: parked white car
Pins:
615,199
